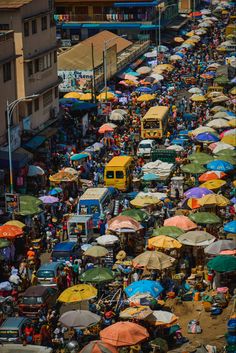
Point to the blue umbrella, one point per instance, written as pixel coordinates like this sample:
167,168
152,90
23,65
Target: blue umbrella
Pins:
207,137
67,101
233,200
180,54
144,286
230,113
78,156
229,228
150,177
55,191
220,165
144,89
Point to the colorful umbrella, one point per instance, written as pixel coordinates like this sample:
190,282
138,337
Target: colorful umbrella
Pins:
200,158
153,288
193,168
207,137
230,227
218,123
198,98
220,165
181,222
220,245
212,175
164,242
146,97
124,334
118,223
72,95
193,203
98,347
220,146
213,184
205,218
231,140
107,239
196,238
105,128
200,130
222,263
97,275
15,223
197,192
162,318
79,318
137,214
78,156
35,170
4,243
144,201
138,313
77,293
63,177
55,191
10,232
144,70
232,123
86,97
150,177
153,260
29,205
170,231
49,199
214,200
106,96
96,251
227,153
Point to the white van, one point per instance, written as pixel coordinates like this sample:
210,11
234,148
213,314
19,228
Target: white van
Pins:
145,147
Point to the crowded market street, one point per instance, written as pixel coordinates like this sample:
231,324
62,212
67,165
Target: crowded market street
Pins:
125,237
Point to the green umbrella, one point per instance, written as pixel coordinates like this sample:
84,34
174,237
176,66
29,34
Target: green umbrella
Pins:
205,218
193,168
29,205
203,158
222,263
4,243
97,275
227,152
138,215
221,80
225,158
170,231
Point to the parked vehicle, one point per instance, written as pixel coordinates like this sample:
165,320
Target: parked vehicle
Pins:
36,298
80,228
66,251
12,329
145,147
47,274
118,173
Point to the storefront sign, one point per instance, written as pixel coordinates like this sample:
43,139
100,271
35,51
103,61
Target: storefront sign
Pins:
71,79
12,203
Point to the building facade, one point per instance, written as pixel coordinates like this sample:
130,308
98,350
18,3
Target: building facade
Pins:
188,6
35,46
78,20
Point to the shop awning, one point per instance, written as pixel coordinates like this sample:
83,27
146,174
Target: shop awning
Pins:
136,4
70,25
20,158
90,25
149,27
34,143
116,25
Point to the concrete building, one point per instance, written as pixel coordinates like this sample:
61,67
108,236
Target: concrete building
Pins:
35,63
138,19
7,80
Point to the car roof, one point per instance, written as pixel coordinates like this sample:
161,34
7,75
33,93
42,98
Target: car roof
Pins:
147,140
49,266
64,246
13,322
35,291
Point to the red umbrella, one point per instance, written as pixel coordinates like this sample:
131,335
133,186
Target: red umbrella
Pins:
98,347
195,14
10,232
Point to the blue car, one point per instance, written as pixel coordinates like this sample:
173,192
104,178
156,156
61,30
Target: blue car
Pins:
66,251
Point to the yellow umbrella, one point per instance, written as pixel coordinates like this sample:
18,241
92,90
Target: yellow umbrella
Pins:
232,123
78,293
214,94
96,251
167,67
15,223
230,139
234,183
165,242
103,96
72,95
146,97
233,91
214,200
190,34
131,82
218,108
191,41
144,201
86,97
198,98
213,184
201,129
178,39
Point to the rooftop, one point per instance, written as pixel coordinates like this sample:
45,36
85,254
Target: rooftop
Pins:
93,193
13,4
79,57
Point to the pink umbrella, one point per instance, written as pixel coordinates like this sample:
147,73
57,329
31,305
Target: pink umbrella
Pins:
228,252
49,199
181,222
119,223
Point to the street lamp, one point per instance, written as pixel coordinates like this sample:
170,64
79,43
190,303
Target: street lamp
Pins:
159,22
10,109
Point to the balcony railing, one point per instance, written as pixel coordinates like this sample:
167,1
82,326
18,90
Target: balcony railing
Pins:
116,17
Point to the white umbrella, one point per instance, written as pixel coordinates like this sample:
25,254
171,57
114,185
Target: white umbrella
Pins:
206,12
218,123
195,90
151,54
230,132
157,77
219,245
204,24
120,111
107,239
161,316
220,146
223,115
215,65
175,148
201,129
35,170
175,57
196,238
116,117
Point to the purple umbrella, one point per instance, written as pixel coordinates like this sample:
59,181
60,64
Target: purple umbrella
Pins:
233,200
49,199
197,192
207,137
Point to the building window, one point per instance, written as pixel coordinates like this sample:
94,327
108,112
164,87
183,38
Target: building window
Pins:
36,65
30,68
47,98
29,108
44,23
56,92
26,29
4,27
36,104
34,26
55,56
7,72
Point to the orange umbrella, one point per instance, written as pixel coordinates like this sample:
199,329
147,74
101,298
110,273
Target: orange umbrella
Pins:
181,222
105,128
118,223
124,333
211,175
193,203
98,347
10,232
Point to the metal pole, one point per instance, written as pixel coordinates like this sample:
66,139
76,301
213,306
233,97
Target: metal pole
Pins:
159,25
105,68
93,78
9,145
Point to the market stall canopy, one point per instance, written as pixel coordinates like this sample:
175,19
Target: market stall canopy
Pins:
181,222
107,239
4,243
78,156
10,232
205,218
96,251
214,200
79,318
222,263
97,275
170,231
193,168
196,238
163,242
124,334
118,223
213,184
49,200
162,318
144,201
78,293
29,205
35,170
211,175
153,260
145,286
230,227
200,130
197,192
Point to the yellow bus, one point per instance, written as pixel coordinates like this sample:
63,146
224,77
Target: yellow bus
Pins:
118,173
154,122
